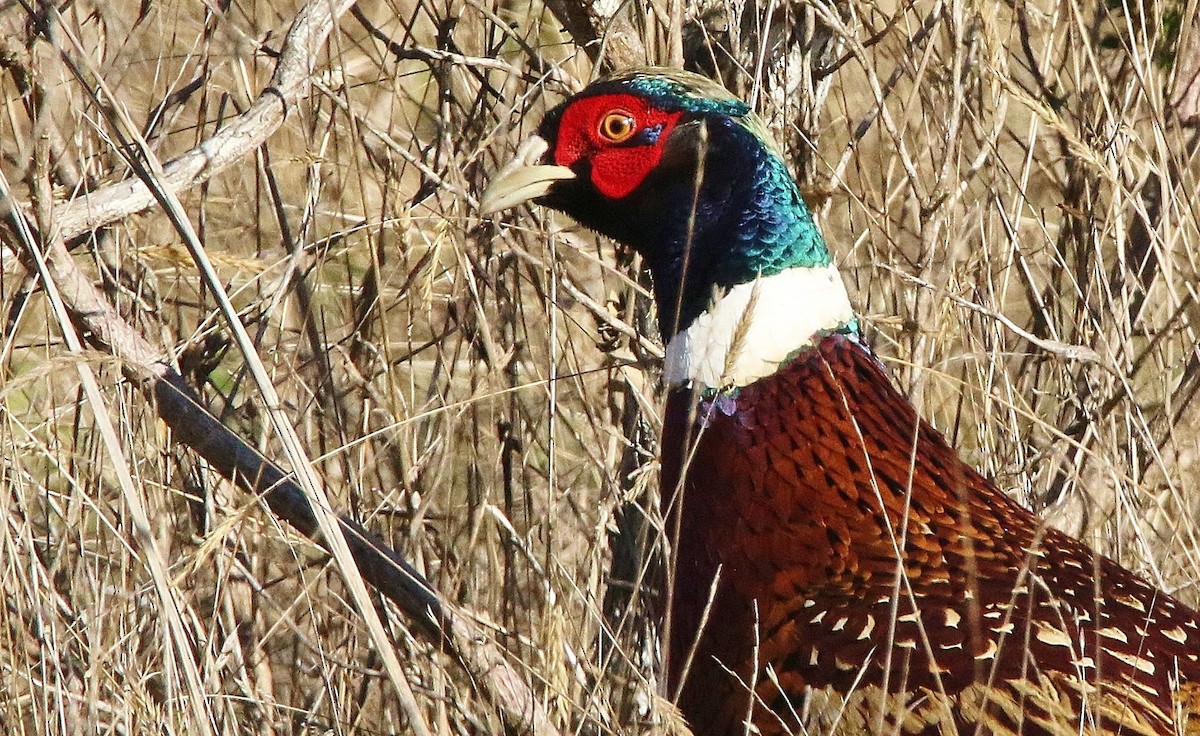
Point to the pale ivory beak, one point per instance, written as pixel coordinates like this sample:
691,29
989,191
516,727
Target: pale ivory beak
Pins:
522,179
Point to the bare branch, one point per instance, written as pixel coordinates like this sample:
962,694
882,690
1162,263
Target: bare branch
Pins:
181,408
290,82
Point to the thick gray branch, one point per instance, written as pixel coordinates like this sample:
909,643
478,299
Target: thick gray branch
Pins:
290,82
229,454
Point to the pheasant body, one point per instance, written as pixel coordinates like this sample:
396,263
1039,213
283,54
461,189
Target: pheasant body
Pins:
837,567
796,497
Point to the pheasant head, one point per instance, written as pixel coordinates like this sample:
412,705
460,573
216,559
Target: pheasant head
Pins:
672,165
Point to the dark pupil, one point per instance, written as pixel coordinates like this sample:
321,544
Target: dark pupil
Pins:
618,126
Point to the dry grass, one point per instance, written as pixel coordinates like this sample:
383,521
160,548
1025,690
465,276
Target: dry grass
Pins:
1008,188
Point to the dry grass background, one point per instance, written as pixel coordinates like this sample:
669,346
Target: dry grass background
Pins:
1009,187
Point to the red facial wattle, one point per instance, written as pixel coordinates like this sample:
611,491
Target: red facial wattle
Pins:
621,136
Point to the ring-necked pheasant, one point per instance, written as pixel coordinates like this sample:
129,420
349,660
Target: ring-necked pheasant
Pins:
838,567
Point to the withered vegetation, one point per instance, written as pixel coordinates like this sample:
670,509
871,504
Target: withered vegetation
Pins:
1009,187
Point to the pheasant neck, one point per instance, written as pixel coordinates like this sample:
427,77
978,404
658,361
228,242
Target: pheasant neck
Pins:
752,329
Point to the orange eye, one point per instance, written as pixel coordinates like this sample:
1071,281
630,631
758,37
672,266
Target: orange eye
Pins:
617,126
